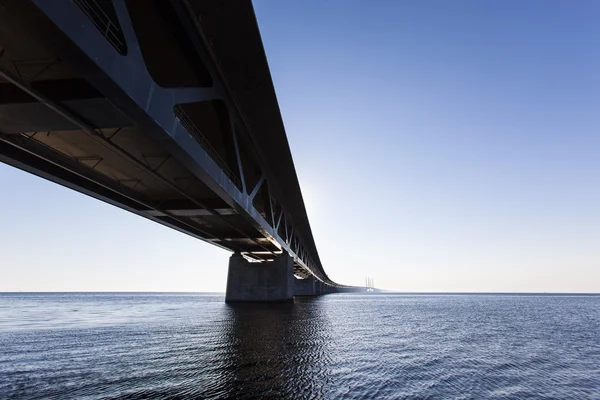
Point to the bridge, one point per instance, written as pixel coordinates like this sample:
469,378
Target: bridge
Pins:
164,108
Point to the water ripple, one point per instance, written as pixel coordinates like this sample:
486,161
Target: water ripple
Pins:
125,346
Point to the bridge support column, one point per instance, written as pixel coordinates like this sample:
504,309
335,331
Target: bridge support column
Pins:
260,282
318,287
304,287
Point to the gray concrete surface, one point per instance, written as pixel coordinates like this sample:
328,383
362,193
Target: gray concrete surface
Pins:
304,287
260,282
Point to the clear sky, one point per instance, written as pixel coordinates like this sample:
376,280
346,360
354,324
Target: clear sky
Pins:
440,146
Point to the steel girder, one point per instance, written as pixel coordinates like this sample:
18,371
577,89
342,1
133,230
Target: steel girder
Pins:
116,67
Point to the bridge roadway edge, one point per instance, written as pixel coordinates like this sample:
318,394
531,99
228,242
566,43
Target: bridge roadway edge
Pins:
199,162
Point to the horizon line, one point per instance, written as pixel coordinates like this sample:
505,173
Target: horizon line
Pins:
381,291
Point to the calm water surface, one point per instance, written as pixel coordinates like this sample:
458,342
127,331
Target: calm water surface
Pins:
140,346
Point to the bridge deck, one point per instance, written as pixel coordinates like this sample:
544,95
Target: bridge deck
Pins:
166,109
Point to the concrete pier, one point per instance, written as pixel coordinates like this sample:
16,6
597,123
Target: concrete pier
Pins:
319,287
304,287
260,282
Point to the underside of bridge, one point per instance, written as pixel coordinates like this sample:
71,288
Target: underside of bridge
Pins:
163,108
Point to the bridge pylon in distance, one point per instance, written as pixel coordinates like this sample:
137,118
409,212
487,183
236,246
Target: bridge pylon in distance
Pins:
369,285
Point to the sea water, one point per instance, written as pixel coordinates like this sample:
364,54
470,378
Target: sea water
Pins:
350,346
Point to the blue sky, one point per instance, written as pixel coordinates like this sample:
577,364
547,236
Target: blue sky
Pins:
440,146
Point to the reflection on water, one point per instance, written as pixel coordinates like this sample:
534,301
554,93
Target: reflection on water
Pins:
140,346
278,350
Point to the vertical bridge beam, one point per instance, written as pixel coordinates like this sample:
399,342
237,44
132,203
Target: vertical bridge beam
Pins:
260,282
304,287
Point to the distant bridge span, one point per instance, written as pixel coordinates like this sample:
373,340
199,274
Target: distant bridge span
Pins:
164,108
